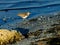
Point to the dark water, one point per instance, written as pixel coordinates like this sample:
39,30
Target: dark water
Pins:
23,31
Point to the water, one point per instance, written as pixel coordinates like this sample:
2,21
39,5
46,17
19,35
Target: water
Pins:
10,9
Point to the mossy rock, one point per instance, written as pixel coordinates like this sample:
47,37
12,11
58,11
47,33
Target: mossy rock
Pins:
9,36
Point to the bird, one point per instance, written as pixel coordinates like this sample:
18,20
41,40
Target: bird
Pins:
24,15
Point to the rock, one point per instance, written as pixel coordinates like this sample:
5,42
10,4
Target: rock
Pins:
34,34
7,36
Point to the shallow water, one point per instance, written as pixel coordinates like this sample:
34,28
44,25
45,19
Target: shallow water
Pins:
35,7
